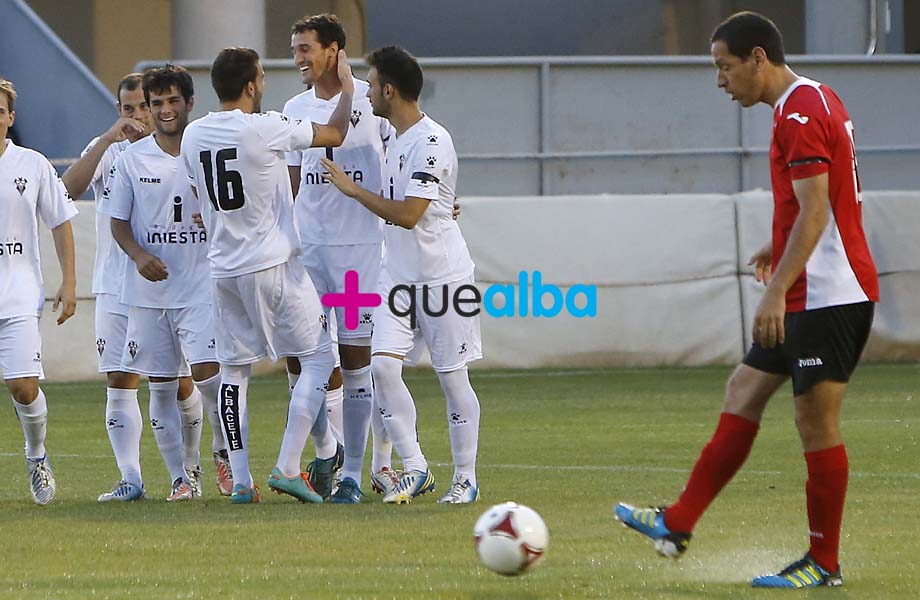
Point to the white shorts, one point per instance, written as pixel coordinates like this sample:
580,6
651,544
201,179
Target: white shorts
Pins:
327,266
20,348
111,331
161,340
274,312
452,339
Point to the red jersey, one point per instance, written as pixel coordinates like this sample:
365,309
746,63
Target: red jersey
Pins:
813,134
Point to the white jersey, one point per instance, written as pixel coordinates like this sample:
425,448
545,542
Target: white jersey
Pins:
151,191
109,266
236,163
30,189
422,163
324,215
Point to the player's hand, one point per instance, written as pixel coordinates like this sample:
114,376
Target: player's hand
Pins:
769,329
196,217
344,72
150,267
66,298
339,178
122,128
456,213
762,261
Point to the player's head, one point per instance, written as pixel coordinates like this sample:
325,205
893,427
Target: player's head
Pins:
745,47
395,76
236,75
7,107
132,104
171,95
315,44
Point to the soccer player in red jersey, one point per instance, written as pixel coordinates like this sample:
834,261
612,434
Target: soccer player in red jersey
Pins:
814,318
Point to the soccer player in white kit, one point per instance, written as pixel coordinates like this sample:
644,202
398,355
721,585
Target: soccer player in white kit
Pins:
151,205
424,249
338,235
264,302
123,419
30,191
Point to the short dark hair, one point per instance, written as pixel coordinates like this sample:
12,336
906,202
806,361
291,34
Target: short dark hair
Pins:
327,26
129,82
744,31
162,79
232,70
399,68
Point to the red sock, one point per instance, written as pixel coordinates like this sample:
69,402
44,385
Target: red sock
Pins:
826,490
717,464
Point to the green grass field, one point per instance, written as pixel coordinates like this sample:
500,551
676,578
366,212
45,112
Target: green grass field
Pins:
568,444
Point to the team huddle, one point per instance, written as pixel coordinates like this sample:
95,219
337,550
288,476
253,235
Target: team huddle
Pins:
216,240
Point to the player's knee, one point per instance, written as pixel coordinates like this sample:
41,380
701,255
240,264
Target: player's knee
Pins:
742,397
205,371
385,369
120,380
23,390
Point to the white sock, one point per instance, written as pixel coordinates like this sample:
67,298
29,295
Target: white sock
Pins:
462,422
307,399
234,416
34,421
399,415
356,412
191,414
292,380
334,399
210,390
167,425
382,454
124,424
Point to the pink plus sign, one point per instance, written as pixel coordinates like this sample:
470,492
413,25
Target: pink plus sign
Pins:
352,300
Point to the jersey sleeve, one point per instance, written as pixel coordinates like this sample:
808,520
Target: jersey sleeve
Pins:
55,206
428,163
283,133
802,134
118,198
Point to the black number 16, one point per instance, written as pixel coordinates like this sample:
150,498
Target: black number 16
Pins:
229,183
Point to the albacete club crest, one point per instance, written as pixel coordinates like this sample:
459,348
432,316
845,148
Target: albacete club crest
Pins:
21,185
355,117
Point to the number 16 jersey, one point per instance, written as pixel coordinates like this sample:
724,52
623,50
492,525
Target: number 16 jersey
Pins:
236,162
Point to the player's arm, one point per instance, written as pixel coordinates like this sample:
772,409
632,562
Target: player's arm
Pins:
405,214
814,213
333,132
66,296
80,174
148,265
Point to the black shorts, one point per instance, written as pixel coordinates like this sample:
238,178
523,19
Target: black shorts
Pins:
821,345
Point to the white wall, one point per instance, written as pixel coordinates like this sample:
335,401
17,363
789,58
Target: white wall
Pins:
673,286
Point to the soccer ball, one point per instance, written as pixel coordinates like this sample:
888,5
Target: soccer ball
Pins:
510,538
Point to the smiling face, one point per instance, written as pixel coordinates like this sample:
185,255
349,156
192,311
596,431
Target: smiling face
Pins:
170,111
310,57
742,79
132,105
